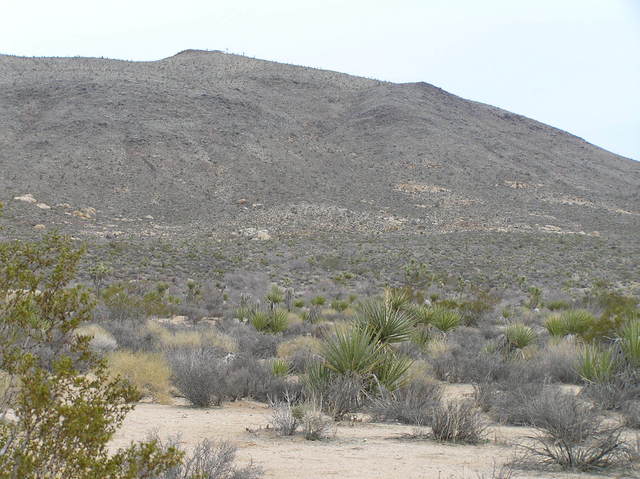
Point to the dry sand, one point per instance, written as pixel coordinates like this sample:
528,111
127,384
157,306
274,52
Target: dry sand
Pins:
359,450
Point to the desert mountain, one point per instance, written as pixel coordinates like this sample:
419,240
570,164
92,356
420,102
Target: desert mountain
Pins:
216,143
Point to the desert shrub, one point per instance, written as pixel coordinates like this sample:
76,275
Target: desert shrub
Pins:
457,421
148,372
199,374
247,377
616,391
318,301
630,343
315,424
410,404
338,394
475,309
249,341
102,341
126,301
557,305
506,401
339,305
208,460
299,351
130,335
289,348
285,416
519,336
385,323
560,360
596,363
66,407
572,435
274,321
299,303
463,358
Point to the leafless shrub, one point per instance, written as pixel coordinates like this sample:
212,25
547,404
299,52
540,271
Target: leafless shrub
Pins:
458,421
572,436
315,424
285,416
408,405
209,460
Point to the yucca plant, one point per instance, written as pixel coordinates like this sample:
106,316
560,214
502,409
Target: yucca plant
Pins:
596,364
339,305
577,321
391,370
444,319
351,351
280,367
519,335
274,297
630,342
269,321
383,323
421,336
397,298
556,325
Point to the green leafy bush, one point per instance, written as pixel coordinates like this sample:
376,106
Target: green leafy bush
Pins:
64,417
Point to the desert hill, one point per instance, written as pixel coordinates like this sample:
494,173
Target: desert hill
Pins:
213,143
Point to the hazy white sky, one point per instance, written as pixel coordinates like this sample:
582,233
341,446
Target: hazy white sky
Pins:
574,64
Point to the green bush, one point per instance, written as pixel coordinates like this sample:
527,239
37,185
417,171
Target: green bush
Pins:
66,406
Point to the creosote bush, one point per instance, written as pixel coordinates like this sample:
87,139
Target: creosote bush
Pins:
66,406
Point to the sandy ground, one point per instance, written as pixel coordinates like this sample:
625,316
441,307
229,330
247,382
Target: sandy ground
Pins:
359,450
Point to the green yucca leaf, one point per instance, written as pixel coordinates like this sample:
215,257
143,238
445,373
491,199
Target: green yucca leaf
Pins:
351,351
630,342
385,324
596,364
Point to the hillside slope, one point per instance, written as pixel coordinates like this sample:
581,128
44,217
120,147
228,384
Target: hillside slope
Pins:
213,143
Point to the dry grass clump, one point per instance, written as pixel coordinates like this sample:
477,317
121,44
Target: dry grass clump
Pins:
191,337
459,422
299,351
149,372
102,341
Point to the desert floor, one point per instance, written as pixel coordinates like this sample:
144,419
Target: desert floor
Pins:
359,450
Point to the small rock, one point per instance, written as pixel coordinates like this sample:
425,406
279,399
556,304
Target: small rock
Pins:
28,198
39,227
263,235
43,206
149,217
242,201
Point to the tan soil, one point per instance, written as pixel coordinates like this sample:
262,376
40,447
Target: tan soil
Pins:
359,450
